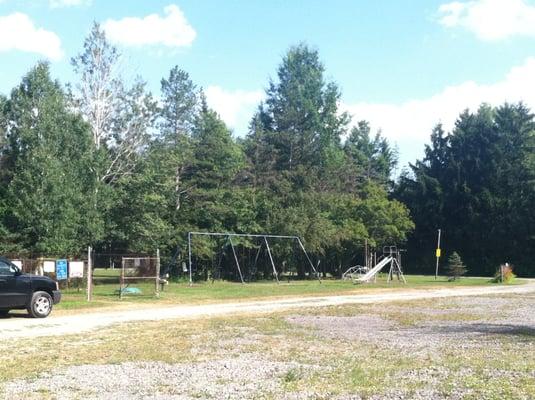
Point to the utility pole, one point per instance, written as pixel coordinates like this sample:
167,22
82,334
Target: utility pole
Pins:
437,254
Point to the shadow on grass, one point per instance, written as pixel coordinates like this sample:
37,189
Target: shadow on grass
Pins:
492,329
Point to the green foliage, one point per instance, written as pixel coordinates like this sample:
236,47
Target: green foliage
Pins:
179,103
455,268
301,113
47,158
504,274
216,157
136,177
373,157
477,184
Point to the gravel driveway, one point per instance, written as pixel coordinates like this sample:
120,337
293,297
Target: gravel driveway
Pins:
71,324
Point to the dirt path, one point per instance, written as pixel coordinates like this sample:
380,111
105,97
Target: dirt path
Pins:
18,327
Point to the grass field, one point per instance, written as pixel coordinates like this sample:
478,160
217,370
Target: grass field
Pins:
107,284
455,348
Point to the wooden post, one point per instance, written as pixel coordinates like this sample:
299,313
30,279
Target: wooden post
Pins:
189,260
122,279
89,274
157,272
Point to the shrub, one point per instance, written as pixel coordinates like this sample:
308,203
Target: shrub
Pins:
504,274
455,268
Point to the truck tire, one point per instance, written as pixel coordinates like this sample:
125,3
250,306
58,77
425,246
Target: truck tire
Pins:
40,305
4,313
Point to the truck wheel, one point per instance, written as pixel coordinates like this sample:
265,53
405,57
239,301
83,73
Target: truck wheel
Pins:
40,305
4,313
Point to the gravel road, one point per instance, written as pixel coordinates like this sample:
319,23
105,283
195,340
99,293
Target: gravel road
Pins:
71,324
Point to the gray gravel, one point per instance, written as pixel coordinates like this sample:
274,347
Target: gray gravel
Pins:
482,319
235,374
244,377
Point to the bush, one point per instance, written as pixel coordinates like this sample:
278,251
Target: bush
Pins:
455,268
505,271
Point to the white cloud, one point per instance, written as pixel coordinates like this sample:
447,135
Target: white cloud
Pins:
68,3
18,32
409,124
170,30
235,107
490,19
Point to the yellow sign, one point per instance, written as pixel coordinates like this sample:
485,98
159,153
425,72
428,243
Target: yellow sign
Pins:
438,253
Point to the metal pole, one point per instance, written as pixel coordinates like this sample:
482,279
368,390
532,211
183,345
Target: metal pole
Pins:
189,260
437,254
258,235
157,272
366,253
256,258
236,258
271,258
309,260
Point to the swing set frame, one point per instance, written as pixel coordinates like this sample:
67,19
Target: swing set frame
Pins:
265,238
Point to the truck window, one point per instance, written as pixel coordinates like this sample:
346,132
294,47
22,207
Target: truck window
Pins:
5,269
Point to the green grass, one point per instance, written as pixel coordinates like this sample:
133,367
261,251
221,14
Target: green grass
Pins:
107,283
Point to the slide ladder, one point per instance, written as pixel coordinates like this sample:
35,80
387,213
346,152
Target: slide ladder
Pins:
375,270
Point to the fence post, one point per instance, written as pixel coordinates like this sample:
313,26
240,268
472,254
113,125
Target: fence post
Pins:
157,272
121,279
89,274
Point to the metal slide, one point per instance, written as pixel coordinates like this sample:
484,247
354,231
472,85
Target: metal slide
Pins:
372,272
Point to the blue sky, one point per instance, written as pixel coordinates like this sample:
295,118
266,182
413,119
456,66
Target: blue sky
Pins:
402,65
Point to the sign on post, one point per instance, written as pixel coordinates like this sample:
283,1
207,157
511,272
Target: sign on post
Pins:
438,253
61,270
76,269
49,266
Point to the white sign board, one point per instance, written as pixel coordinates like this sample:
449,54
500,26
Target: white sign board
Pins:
76,269
49,266
18,263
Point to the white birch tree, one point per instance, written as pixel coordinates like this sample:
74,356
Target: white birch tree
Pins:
121,118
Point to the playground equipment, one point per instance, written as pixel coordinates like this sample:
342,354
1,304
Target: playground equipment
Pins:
391,257
264,243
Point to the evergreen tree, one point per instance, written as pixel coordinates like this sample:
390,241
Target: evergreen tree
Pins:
373,157
474,183
301,117
216,157
47,160
179,105
455,268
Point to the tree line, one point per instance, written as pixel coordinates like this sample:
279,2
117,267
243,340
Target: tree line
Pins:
101,161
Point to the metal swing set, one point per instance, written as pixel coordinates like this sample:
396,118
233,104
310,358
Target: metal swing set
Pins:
264,241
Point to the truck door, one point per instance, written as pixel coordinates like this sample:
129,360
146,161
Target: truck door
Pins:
14,288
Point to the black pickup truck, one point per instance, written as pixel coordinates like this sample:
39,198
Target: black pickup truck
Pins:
20,291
